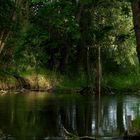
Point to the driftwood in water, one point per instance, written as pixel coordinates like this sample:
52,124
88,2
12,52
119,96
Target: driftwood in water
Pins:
71,136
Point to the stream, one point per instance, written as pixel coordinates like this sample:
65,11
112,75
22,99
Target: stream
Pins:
44,116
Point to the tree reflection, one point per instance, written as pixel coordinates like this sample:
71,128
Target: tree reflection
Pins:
98,114
39,118
120,122
84,119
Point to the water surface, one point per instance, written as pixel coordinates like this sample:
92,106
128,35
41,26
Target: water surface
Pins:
40,116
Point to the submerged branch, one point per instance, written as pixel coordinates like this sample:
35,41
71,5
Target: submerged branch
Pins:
71,136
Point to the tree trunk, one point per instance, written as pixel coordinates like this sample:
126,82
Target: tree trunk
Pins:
136,22
81,46
3,38
88,67
6,32
64,59
98,72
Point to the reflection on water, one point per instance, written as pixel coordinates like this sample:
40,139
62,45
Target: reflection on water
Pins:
41,115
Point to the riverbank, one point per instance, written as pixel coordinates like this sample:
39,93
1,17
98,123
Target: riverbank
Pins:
41,81
31,81
122,82
46,81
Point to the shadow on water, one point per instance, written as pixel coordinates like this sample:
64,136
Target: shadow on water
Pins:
43,116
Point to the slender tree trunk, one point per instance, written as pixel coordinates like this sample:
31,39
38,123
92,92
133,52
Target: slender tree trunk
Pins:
88,67
136,21
1,41
98,73
27,9
6,32
78,16
4,36
91,72
81,45
65,58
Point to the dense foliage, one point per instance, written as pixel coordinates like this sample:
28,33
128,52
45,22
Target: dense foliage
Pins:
64,36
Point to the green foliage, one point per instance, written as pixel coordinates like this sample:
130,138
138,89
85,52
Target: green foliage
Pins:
86,1
124,81
56,35
6,8
55,25
34,1
73,83
57,16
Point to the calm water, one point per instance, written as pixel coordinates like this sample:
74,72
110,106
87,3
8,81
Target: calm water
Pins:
41,116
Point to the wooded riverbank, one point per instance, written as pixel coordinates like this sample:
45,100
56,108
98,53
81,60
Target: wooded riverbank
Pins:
110,85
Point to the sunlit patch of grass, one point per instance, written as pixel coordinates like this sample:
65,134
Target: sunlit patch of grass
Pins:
7,82
42,78
42,81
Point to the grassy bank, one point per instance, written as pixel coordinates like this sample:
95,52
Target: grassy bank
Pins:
118,82
73,82
36,80
44,80
41,80
122,82
7,82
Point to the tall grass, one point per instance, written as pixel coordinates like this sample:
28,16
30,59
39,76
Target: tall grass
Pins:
73,82
122,81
